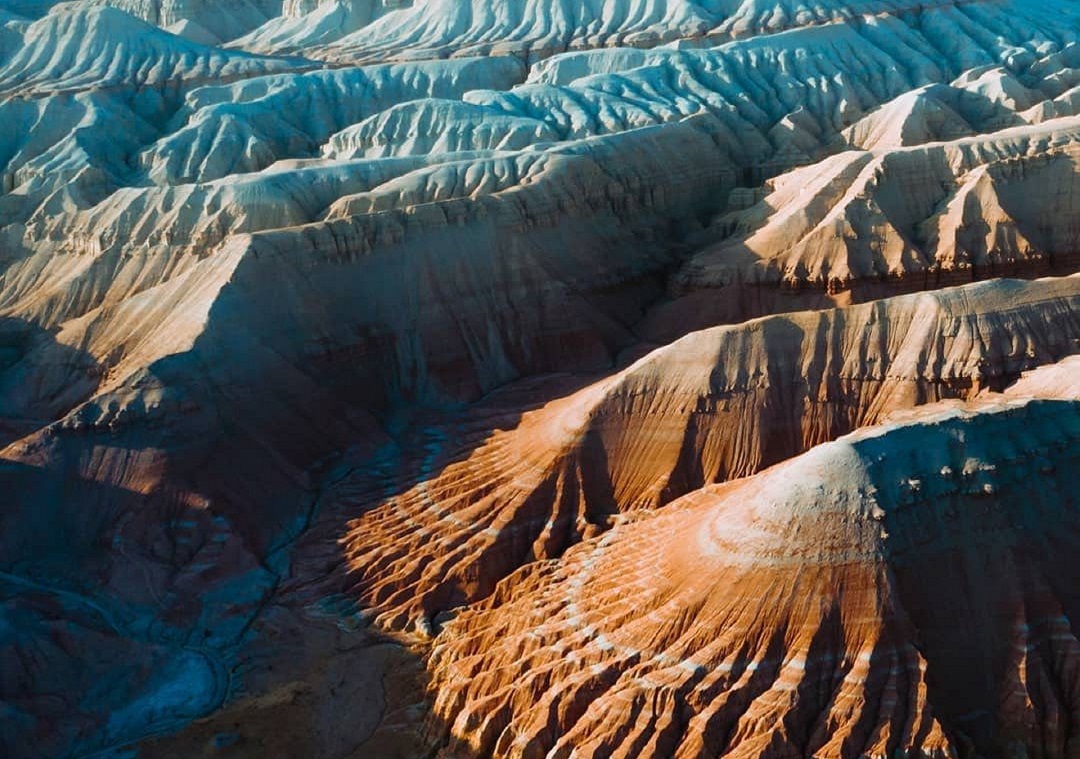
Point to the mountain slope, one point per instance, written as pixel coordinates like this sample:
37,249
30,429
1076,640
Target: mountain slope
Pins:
902,590
713,406
862,224
75,48
343,341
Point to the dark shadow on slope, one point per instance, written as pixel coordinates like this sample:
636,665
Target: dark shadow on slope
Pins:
40,379
988,578
691,309
110,632
314,687
184,514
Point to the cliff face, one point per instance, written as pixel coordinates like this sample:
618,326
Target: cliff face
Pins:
344,343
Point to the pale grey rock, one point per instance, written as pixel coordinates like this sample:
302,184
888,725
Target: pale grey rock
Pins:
76,48
204,21
245,127
429,126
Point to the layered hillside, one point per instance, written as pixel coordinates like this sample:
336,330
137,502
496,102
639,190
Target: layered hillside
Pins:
364,29
903,590
77,48
326,322
716,405
863,224
197,20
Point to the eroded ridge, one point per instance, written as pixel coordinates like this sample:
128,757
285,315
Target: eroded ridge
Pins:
713,406
829,605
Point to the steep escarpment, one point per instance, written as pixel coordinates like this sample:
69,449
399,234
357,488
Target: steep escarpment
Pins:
413,260
76,242
499,267
713,406
902,590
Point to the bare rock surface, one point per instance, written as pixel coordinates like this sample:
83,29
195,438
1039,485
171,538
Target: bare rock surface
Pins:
716,405
861,223
795,612
345,344
1051,381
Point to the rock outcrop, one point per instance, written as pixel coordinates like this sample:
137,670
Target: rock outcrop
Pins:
1051,381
